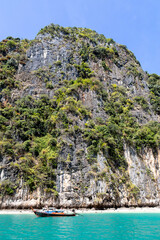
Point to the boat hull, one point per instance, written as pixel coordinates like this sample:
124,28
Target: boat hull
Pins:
44,214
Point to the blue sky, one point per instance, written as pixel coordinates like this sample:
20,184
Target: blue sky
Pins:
134,23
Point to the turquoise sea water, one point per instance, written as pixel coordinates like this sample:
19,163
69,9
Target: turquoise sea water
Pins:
86,227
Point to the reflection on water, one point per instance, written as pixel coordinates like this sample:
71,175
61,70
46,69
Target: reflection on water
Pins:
88,226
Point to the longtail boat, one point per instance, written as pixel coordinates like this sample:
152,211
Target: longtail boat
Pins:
51,212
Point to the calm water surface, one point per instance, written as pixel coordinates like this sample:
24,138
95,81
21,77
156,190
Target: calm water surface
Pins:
88,226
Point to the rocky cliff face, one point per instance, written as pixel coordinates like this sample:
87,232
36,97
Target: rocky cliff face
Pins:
79,123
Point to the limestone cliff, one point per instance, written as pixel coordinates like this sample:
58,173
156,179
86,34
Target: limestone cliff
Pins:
79,124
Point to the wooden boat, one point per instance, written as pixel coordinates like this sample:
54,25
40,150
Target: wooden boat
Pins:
51,212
